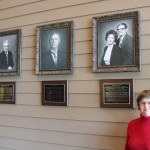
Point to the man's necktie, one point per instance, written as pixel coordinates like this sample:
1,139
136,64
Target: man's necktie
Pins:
6,53
55,57
120,42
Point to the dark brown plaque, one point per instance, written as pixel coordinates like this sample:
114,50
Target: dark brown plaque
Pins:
7,92
54,93
116,93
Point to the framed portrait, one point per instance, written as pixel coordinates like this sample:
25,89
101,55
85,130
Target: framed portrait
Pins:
116,93
116,43
55,93
10,49
54,48
7,92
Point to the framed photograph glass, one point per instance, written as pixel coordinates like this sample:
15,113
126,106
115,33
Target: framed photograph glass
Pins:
10,49
7,92
55,93
54,48
116,93
116,43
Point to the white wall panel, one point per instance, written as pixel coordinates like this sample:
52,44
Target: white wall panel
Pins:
28,53
84,100
28,98
70,126
70,12
75,113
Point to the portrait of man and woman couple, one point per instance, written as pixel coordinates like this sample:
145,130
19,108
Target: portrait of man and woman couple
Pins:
116,43
8,46
54,49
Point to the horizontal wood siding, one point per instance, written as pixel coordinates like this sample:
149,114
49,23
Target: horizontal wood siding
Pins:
83,125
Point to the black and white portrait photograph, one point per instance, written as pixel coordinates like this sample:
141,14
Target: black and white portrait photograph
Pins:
116,43
10,46
54,48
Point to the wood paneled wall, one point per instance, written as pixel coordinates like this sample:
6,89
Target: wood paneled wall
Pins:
83,125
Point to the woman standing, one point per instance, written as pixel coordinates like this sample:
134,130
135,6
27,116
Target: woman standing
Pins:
138,132
112,55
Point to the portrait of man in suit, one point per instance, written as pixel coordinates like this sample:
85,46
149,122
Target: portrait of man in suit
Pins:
125,42
10,47
6,57
55,57
54,48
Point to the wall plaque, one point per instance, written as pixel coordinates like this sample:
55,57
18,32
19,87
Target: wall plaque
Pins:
7,92
54,93
116,93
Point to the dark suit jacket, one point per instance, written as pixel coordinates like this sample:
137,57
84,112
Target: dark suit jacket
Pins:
47,62
3,60
115,58
127,50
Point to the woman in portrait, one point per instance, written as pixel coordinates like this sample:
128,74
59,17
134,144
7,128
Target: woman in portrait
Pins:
112,55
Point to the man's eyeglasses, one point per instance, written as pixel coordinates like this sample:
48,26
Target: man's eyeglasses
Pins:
120,29
6,46
144,103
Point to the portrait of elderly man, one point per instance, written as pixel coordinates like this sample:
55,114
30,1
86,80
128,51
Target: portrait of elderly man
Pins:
6,57
55,57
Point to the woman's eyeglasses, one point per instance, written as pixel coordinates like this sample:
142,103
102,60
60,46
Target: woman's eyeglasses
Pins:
144,103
